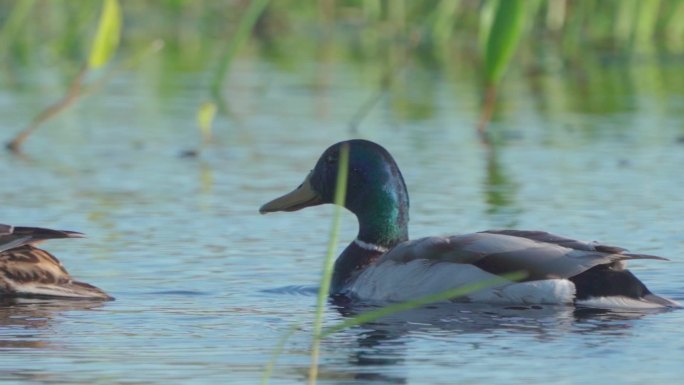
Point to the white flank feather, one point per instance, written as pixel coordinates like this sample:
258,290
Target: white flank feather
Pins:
396,281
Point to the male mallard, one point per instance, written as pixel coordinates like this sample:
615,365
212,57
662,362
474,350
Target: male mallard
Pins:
27,271
382,264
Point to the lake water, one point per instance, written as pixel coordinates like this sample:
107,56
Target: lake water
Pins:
207,288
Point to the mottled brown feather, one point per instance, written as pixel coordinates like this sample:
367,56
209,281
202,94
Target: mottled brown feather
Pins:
29,263
26,270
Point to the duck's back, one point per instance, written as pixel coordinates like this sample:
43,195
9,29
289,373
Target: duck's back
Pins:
557,270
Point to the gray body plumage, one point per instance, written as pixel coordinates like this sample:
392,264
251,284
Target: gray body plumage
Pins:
541,255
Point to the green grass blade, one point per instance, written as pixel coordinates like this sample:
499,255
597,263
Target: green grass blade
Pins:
646,24
247,22
503,38
445,18
15,21
625,18
323,291
556,14
205,120
486,20
108,33
408,305
674,29
372,10
268,371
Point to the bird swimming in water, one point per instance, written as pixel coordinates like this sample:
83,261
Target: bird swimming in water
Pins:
383,264
28,271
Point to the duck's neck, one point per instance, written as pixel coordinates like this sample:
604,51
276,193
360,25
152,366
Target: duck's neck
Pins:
383,223
353,260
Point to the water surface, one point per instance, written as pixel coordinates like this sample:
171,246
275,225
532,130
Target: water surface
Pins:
206,287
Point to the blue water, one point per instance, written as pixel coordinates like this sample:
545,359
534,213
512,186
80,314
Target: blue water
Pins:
206,287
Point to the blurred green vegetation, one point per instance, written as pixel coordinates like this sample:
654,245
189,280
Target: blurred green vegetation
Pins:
393,41
196,30
103,47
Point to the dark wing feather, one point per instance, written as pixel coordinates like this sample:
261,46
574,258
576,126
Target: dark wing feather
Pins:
11,237
542,236
541,255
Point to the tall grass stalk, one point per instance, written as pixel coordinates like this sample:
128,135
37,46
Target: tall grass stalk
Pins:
445,18
363,111
244,28
108,35
626,15
555,15
15,21
372,10
674,29
323,291
103,48
49,112
152,48
428,299
502,40
646,25
205,120
268,371
503,37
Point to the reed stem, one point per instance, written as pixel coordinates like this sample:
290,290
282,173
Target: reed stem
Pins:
323,291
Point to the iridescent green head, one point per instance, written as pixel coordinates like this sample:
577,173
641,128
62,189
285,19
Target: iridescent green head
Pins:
376,191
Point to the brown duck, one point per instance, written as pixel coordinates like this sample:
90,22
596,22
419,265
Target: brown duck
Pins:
28,271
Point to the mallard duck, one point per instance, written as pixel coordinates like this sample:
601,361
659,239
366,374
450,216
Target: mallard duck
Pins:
27,271
382,264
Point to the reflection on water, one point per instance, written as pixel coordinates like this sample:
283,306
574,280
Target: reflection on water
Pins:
24,322
458,318
500,190
382,348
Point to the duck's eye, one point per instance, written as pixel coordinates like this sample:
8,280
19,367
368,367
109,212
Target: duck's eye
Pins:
331,159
